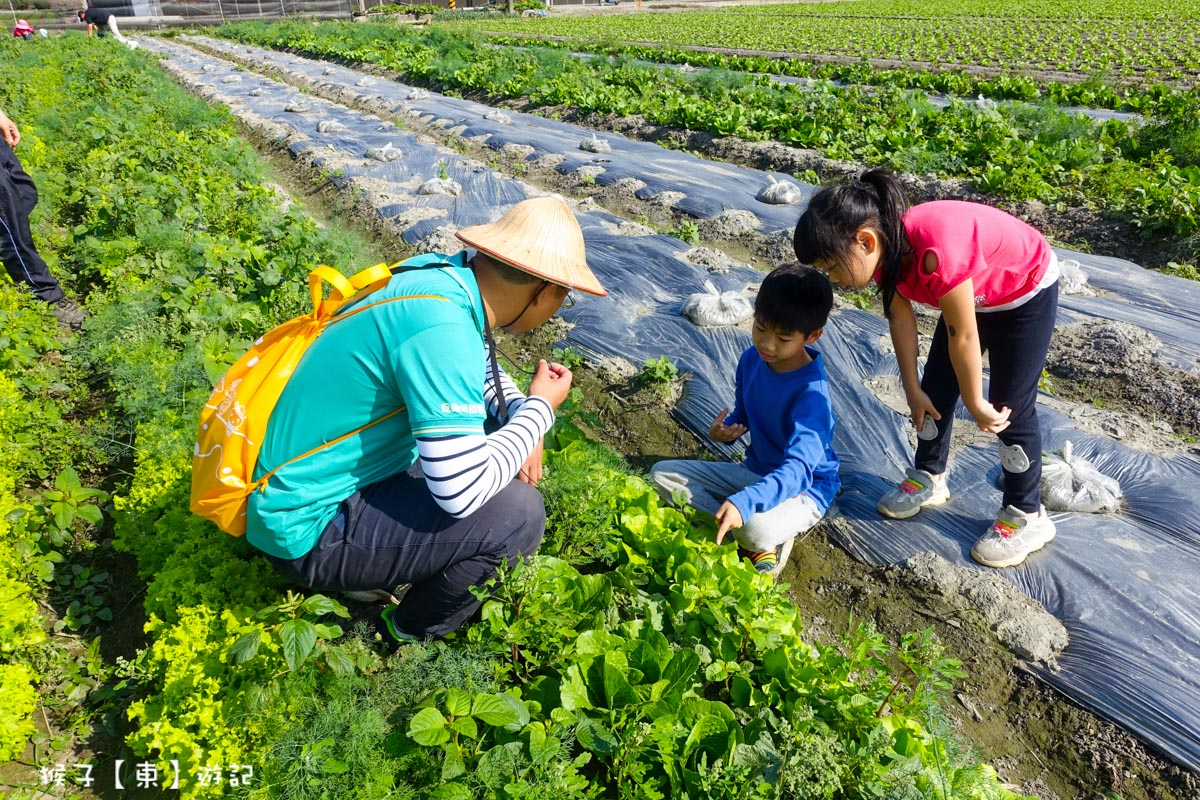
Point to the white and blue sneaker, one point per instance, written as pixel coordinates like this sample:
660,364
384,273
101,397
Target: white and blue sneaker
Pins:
1013,536
917,490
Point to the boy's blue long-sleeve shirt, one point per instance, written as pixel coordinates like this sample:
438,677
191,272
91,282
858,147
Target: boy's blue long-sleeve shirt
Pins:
791,424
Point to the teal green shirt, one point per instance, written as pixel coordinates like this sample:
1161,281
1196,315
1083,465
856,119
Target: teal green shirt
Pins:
423,355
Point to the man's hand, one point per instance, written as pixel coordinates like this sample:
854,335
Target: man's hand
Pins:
720,432
8,129
551,382
728,518
988,418
531,471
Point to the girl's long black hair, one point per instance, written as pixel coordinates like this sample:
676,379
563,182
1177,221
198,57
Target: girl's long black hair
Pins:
827,227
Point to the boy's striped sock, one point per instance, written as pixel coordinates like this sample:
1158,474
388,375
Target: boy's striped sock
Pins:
764,561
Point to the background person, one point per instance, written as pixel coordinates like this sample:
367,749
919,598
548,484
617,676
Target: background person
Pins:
98,19
421,494
995,280
18,196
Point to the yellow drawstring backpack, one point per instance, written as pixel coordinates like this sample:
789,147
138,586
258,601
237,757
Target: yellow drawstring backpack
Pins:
234,421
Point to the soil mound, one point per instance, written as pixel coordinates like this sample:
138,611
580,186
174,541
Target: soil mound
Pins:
1120,361
1019,623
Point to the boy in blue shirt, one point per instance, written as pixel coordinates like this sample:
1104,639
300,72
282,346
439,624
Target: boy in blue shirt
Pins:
790,474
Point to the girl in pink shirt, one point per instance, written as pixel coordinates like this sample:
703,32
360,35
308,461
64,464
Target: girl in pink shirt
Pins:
995,280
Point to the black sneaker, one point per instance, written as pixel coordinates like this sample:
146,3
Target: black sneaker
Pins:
69,314
388,631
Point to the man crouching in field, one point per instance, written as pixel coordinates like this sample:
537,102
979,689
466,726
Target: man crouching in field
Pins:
418,492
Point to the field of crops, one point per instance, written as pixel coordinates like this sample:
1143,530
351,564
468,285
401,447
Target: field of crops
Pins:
1142,41
1147,175
573,686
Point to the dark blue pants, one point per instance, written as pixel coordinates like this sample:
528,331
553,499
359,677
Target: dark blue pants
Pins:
18,196
392,532
1016,342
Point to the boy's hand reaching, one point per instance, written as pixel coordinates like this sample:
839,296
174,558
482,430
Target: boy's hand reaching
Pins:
728,518
720,432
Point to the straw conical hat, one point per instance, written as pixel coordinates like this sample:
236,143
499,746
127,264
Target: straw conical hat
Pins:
539,236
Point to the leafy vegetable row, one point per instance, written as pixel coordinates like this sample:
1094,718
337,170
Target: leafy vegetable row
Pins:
1158,100
1133,41
1149,174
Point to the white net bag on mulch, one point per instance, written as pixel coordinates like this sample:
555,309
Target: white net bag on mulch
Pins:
1072,279
713,308
386,153
595,145
780,193
1070,483
441,186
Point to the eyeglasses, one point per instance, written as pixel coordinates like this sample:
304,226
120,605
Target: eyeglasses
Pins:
568,301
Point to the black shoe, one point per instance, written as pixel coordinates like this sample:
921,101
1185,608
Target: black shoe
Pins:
69,314
386,627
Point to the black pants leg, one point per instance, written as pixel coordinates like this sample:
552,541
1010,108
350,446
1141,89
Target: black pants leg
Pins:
393,532
941,384
1017,342
18,196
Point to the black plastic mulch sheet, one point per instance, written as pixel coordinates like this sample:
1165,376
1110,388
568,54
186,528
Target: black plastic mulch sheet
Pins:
1127,586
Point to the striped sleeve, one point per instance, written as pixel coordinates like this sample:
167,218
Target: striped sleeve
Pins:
464,472
513,397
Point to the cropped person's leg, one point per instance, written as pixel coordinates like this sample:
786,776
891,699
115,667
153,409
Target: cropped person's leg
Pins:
18,196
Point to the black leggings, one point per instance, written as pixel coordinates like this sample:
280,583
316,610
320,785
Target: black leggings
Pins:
1016,342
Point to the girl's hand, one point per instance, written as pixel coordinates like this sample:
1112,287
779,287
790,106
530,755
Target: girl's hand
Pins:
728,518
919,405
989,419
720,432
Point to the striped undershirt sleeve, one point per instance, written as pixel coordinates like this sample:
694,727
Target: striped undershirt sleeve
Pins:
513,397
464,472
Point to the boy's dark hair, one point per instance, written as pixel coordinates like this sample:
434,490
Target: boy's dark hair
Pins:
827,227
794,297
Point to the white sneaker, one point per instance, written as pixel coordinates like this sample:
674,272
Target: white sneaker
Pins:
1013,536
917,490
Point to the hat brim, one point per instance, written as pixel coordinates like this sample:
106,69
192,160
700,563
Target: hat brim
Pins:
592,287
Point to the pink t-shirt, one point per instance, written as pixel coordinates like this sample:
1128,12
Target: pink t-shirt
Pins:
1004,257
